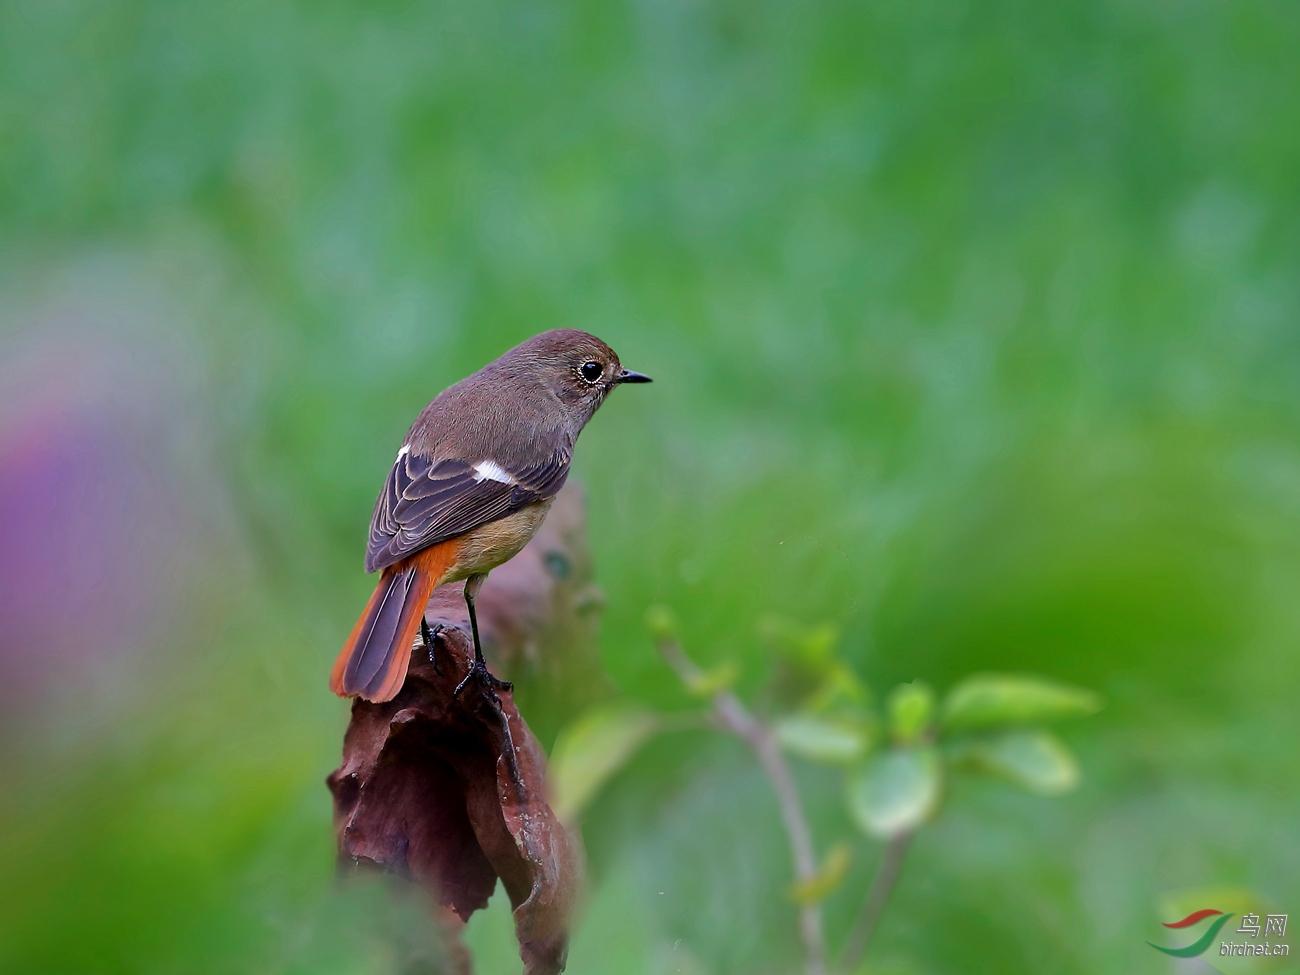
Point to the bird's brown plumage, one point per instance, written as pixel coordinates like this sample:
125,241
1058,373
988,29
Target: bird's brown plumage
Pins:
472,481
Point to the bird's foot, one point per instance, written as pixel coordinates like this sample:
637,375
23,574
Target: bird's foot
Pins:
427,635
479,674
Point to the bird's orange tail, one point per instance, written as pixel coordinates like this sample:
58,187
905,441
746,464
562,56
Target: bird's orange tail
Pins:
373,661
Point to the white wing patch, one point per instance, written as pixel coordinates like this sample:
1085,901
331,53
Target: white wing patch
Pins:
490,470
406,449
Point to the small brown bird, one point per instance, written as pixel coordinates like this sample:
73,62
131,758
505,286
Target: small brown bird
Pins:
472,481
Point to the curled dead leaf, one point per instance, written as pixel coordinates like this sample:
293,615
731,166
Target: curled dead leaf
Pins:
449,791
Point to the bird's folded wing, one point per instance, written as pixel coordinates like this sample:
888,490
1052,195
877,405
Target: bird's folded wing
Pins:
426,501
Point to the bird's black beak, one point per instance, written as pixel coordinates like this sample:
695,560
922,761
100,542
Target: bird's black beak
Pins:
628,376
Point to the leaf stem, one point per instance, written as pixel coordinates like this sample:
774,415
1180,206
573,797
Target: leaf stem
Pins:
736,718
882,885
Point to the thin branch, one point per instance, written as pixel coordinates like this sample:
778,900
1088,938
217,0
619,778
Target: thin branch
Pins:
736,718
882,885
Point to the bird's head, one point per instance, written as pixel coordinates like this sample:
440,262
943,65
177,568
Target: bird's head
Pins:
577,368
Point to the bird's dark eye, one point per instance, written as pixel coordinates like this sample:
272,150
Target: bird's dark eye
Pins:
591,370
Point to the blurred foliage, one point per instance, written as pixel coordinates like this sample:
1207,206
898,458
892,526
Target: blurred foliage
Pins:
891,791
591,749
974,330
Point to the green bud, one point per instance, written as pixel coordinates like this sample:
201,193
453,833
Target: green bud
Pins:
661,621
911,708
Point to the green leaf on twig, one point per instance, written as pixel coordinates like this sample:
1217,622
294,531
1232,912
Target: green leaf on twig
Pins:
896,791
1033,759
717,678
591,749
811,647
827,879
911,707
840,689
993,700
829,740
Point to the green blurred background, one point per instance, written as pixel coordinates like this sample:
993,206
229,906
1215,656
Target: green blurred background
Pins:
976,332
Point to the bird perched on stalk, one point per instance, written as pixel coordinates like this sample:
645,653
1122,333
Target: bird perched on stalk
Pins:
472,482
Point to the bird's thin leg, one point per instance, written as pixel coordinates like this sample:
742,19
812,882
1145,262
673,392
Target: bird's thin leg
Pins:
478,670
472,586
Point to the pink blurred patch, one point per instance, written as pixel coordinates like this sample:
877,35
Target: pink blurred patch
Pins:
94,528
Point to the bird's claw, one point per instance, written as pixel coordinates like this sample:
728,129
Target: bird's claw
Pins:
427,635
479,673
